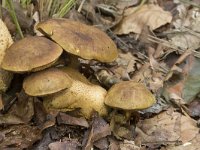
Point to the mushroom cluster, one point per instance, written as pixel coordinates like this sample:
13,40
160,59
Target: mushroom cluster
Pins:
62,88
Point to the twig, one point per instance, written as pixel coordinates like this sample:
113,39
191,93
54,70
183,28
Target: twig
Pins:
81,5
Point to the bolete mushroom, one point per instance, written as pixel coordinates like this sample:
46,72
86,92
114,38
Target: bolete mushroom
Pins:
46,82
81,95
5,42
129,96
31,54
80,39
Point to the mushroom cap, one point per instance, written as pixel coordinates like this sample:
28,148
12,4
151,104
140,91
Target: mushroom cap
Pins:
129,95
81,95
46,82
31,54
80,39
75,75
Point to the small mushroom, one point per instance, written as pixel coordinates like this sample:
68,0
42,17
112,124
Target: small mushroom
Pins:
81,95
79,39
128,96
31,54
5,42
46,82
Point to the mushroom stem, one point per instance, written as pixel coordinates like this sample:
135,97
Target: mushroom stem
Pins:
128,114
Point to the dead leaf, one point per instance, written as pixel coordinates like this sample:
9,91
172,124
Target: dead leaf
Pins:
19,136
167,127
194,108
9,119
63,118
128,145
193,145
100,129
102,144
135,19
23,108
186,28
188,86
70,144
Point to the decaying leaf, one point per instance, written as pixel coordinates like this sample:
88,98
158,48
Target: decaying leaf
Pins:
189,86
63,118
193,145
186,28
100,129
125,145
167,127
19,137
70,144
194,108
135,19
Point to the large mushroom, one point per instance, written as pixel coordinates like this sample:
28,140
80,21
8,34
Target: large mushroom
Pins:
31,54
81,95
46,82
5,42
79,39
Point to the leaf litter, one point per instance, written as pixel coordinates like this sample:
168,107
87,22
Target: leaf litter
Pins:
158,44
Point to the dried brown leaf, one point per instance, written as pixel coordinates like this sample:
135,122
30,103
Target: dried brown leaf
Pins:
167,127
100,129
70,144
135,19
63,118
19,136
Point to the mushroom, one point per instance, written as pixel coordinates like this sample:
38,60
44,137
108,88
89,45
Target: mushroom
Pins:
46,82
81,95
31,54
80,40
5,42
129,96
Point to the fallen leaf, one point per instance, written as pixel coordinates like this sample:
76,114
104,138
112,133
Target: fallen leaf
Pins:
23,108
70,144
19,136
114,144
102,144
192,145
99,129
10,119
186,28
194,108
167,127
128,145
136,18
188,86
63,118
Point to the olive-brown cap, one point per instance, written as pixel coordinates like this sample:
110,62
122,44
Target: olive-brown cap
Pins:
31,54
79,39
129,95
46,82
